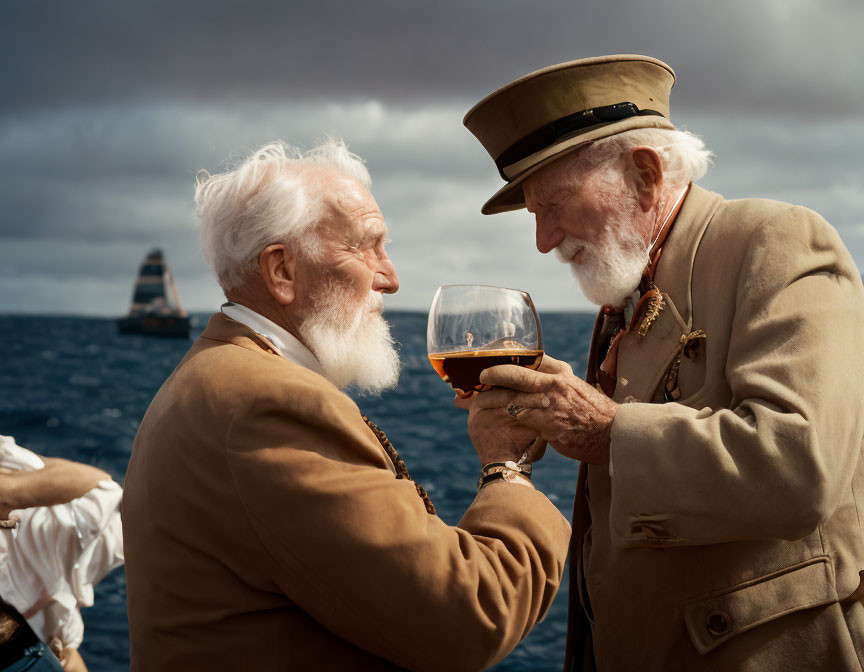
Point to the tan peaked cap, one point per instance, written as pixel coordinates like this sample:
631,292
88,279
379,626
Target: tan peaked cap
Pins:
538,118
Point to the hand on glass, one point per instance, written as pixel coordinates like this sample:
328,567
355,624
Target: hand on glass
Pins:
496,436
573,417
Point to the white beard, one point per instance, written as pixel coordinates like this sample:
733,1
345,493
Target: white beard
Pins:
608,272
352,343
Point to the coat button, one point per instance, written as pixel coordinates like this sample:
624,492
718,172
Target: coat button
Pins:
718,623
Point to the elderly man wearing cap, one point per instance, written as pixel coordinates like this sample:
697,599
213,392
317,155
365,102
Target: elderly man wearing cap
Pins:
720,424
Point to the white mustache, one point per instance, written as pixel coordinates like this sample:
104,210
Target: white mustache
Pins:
374,301
569,247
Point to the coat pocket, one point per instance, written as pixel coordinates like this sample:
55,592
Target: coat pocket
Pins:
716,618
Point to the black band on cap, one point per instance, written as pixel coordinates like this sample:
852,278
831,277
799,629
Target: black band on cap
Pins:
547,135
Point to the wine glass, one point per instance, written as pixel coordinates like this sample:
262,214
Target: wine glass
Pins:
473,327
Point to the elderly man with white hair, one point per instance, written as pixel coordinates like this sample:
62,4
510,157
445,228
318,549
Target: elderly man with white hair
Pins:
267,523
717,519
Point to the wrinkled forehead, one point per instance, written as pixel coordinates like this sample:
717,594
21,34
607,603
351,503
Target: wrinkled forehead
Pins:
355,202
347,206
551,179
564,174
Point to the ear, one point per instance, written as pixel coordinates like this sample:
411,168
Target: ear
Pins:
277,270
649,169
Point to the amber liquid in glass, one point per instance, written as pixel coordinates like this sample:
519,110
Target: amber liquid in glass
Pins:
462,369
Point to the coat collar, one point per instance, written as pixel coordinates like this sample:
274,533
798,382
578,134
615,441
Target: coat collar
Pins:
225,330
287,344
679,250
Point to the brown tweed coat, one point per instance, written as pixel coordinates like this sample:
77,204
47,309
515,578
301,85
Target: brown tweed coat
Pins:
265,530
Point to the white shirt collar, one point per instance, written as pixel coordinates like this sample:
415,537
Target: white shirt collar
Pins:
288,346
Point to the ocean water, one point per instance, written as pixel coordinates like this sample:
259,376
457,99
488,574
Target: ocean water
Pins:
71,387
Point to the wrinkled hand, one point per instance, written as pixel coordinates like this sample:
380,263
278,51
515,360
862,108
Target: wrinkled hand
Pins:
566,411
496,436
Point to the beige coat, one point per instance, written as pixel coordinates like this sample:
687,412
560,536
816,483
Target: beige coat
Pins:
265,530
729,535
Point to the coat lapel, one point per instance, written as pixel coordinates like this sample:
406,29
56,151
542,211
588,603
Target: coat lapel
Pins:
675,269
644,360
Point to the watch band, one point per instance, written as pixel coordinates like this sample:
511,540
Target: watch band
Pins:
501,473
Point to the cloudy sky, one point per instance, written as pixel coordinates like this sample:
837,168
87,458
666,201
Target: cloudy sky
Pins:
108,108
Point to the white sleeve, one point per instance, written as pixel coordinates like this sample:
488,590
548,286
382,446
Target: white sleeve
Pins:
98,520
62,620
69,548
13,456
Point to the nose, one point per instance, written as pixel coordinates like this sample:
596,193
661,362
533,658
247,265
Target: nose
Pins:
386,279
549,235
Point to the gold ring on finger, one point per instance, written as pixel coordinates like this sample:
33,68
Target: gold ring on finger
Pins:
513,411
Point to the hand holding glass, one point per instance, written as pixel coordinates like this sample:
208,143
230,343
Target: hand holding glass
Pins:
474,327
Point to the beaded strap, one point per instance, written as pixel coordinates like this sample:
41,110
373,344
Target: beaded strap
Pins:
399,464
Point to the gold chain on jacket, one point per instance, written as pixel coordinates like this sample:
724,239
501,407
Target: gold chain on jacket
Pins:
688,344
399,464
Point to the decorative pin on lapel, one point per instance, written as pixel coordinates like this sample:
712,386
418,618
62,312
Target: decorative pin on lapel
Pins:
654,301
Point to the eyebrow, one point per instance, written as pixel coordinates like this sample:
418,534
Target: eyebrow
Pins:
369,237
552,197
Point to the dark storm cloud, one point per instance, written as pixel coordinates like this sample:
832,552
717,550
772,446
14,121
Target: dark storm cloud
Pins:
107,110
795,56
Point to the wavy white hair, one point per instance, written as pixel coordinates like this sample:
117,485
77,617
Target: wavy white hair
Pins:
266,200
684,156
